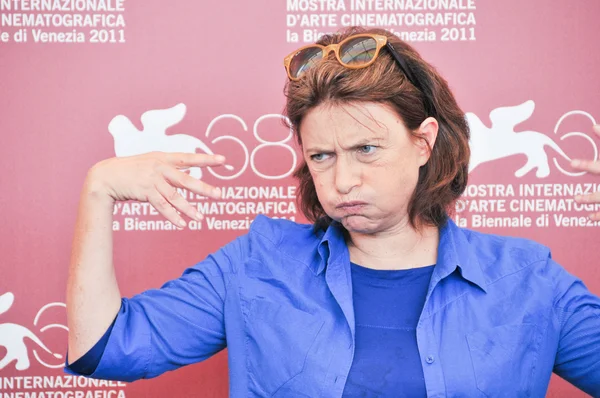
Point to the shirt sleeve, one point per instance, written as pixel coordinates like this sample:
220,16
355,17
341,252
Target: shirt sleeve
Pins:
87,364
179,324
578,312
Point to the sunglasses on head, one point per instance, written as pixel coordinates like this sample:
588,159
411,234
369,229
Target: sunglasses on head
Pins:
354,52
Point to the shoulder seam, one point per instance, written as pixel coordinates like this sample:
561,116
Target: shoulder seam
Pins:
514,272
267,238
276,245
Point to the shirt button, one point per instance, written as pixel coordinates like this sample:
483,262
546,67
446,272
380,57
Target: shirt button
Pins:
430,359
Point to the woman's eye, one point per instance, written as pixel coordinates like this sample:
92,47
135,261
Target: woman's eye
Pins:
367,149
319,157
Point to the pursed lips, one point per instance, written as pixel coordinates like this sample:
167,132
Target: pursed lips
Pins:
352,206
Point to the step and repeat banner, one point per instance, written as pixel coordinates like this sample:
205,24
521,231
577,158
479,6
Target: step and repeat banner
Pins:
84,80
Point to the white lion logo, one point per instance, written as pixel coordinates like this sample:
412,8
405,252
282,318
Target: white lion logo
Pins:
501,140
12,337
130,141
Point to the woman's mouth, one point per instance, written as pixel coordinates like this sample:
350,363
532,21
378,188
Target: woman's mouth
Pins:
352,206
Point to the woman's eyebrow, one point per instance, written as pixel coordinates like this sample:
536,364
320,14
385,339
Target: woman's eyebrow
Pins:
355,145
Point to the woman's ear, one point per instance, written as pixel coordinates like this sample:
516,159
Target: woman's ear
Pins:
428,130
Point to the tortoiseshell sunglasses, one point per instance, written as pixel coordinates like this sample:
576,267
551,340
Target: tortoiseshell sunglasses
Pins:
354,52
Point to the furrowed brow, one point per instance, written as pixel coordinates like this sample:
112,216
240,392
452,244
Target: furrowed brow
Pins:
360,143
363,142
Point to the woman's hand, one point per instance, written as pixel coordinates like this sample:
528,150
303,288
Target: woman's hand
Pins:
154,177
591,166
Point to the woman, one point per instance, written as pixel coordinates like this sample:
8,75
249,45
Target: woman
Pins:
383,296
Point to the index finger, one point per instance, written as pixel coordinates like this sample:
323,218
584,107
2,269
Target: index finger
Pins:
590,166
181,160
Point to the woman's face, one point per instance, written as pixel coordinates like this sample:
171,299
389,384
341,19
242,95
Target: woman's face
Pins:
364,163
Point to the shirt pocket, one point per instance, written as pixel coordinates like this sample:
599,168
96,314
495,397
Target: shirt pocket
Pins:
278,340
504,359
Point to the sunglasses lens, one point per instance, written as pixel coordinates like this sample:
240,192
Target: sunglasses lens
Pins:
304,60
358,51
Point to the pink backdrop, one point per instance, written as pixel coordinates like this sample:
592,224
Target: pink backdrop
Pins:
223,62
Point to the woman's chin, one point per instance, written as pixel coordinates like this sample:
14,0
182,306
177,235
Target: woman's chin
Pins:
358,223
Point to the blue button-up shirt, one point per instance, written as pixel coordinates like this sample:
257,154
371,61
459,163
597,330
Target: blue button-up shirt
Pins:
499,317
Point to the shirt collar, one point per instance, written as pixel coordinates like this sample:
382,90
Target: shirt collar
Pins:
331,247
454,251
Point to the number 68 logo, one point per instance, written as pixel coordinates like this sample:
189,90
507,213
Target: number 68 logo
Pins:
250,158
